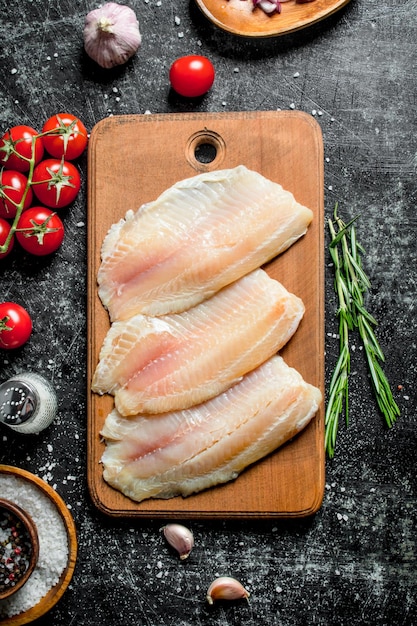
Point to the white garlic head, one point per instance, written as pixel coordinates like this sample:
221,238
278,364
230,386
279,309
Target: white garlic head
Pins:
111,34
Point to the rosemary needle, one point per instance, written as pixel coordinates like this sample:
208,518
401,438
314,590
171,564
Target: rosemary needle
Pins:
351,283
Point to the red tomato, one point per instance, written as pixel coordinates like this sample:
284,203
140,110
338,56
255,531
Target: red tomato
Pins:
69,138
56,183
12,189
191,76
16,148
4,232
15,325
40,231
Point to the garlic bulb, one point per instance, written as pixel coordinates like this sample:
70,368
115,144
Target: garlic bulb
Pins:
180,538
111,34
226,588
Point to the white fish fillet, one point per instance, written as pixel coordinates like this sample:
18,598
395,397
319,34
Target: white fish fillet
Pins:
183,452
157,364
201,234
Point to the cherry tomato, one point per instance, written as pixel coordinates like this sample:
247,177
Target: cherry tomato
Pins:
39,231
16,148
69,139
15,325
56,183
191,76
12,190
4,232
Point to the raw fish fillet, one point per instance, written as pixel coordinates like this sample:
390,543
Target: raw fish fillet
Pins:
158,364
183,452
201,234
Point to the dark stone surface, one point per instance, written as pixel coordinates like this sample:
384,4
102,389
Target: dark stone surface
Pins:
354,562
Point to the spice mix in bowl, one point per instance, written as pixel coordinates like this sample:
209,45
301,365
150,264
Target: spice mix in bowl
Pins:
19,547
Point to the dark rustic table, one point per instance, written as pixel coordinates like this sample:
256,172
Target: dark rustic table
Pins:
354,562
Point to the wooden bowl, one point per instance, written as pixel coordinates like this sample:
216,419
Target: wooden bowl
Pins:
32,534
56,592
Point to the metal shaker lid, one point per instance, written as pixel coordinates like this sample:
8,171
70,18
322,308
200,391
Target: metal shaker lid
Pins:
18,402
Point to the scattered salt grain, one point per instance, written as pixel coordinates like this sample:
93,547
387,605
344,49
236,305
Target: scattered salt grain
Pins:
296,74
177,20
292,105
13,71
180,35
53,544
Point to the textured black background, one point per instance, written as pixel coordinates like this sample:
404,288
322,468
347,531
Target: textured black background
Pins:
354,562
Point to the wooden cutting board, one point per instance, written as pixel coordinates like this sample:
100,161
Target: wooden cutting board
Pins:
131,160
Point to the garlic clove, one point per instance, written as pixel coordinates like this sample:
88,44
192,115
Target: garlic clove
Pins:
111,34
226,588
180,538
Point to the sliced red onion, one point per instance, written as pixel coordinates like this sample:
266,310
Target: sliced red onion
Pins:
268,6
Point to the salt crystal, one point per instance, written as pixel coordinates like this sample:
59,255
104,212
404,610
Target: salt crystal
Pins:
177,20
296,75
13,71
180,35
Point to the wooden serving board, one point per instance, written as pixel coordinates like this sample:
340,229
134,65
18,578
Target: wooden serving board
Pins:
131,160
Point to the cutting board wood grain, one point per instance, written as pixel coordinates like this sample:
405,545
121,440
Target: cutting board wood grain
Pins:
134,158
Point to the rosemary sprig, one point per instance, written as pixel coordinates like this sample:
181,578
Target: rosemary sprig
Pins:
351,283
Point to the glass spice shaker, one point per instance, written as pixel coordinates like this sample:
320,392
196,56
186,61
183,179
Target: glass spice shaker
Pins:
28,403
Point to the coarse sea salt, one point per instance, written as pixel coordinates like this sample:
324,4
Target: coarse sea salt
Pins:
53,544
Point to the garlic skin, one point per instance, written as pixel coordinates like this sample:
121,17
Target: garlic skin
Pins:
111,34
180,538
226,588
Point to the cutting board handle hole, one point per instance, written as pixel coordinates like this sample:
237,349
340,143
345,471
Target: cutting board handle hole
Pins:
205,150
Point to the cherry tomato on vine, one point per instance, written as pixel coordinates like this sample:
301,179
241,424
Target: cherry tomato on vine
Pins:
12,190
191,76
16,148
4,232
15,325
56,183
40,231
70,138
